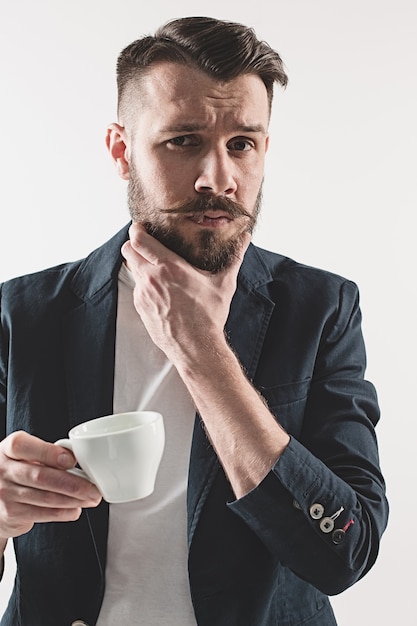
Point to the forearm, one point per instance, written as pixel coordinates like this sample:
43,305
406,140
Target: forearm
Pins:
247,438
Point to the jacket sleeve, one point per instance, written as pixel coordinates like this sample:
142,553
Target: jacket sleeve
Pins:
322,508
3,377
3,385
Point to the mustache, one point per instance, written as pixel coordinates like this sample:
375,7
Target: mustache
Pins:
200,205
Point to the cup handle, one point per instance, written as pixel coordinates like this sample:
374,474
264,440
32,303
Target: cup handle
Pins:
66,443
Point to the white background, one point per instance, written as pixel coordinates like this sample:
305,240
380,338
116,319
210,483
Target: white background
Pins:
339,188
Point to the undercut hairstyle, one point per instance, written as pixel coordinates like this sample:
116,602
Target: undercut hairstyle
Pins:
223,50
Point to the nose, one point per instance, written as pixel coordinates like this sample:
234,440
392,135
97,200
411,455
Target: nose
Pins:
216,174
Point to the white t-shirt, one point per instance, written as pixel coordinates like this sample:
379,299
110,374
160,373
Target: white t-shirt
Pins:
146,573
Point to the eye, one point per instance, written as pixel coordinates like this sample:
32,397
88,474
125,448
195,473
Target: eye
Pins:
183,141
240,144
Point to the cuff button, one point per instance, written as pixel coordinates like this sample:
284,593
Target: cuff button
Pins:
316,511
326,525
338,536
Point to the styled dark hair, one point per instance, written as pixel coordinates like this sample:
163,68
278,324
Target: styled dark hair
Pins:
221,49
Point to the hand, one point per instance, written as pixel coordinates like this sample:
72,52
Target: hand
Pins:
183,308
34,486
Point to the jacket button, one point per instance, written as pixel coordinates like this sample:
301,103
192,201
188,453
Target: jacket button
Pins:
296,505
316,511
79,622
326,525
338,536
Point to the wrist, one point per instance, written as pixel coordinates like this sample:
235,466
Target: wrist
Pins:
207,359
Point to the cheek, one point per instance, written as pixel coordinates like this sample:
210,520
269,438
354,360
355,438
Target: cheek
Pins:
174,183
250,184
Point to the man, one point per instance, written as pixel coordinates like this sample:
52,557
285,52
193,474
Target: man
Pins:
271,497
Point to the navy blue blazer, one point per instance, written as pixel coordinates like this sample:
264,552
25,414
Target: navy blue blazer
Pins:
269,558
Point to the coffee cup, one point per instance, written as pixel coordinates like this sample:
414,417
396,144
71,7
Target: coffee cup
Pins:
119,453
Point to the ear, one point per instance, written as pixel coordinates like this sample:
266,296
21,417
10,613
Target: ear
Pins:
116,145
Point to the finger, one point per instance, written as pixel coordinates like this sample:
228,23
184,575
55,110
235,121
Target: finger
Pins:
35,483
55,492
22,506
20,518
42,515
22,446
38,499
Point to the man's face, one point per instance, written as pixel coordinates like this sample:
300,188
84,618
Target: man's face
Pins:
195,152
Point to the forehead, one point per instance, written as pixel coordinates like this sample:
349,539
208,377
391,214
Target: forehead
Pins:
170,90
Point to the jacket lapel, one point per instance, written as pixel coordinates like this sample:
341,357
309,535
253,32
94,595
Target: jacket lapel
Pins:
248,320
89,331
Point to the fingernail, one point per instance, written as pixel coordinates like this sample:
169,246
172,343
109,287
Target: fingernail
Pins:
65,460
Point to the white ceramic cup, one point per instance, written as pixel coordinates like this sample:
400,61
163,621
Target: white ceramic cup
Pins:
119,453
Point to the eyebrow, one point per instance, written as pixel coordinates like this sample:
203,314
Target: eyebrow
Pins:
192,128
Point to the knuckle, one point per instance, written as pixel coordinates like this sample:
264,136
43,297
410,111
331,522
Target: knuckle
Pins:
37,475
14,443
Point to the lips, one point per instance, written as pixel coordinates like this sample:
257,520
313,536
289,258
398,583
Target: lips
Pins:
212,218
210,207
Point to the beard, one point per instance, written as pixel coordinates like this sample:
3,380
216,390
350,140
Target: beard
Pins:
207,250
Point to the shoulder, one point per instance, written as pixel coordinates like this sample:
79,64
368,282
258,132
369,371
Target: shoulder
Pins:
68,282
286,274
38,285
